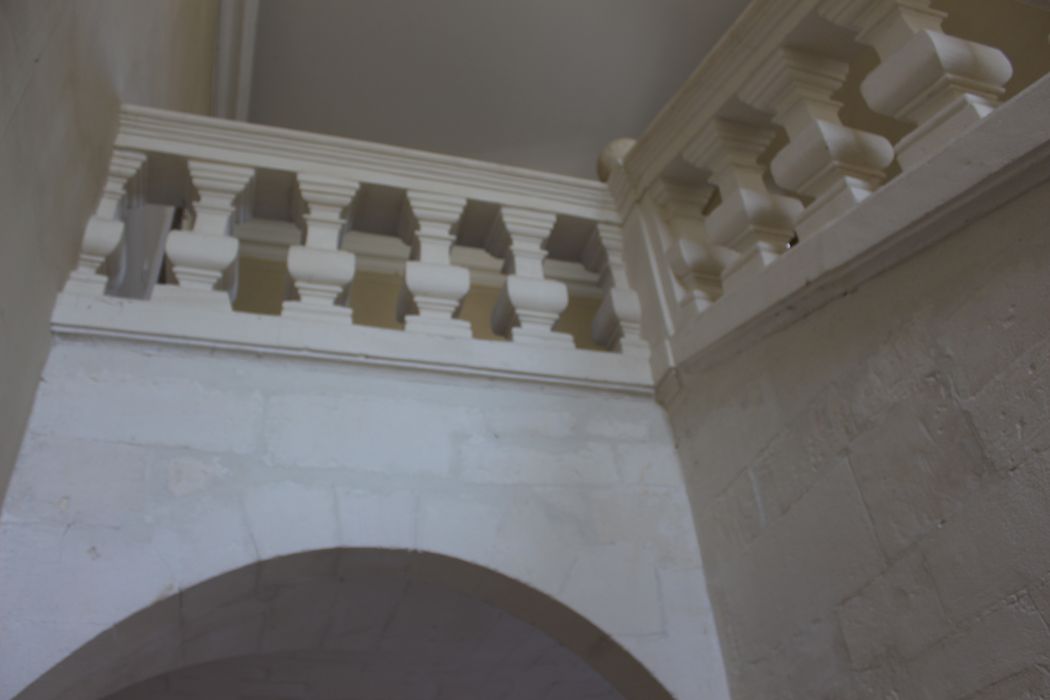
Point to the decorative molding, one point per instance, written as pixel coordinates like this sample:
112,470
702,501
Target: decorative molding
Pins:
253,145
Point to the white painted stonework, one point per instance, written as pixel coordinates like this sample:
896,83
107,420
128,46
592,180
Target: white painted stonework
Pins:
320,413
147,470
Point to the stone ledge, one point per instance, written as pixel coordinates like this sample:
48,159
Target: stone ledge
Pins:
173,324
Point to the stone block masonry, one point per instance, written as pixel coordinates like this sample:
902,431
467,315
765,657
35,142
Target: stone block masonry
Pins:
872,484
149,469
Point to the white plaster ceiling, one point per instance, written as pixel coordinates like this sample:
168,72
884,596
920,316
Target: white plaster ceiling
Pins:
543,84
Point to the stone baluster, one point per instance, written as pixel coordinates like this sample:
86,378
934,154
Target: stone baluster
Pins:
527,296
618,323
105,228
200,257
940,83
834,164
321,271
695,263
436,285
750,221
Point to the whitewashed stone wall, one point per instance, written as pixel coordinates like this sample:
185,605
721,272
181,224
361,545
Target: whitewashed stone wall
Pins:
872,484
148,469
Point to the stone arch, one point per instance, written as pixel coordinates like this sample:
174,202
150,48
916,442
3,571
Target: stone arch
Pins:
120,500
329,600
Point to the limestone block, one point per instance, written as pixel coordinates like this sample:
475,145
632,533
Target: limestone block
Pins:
1030,684
811,443
992,297
996,646
376,519
814,565
898,613
68,481
649,463
618,429
287,517
725,429
458,525
202,537
613,515
319,431
604,577
1012,412
537,462
741,511
192,414
996,546
530,420
917,467
38,564
540,537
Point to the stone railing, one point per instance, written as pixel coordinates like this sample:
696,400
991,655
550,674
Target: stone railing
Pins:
237,235
819,142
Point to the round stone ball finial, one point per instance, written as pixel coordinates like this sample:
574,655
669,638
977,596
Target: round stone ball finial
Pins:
613,155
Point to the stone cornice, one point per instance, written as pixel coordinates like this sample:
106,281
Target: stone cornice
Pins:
186,325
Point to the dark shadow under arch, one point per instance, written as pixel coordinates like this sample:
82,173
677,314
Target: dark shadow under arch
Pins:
216,620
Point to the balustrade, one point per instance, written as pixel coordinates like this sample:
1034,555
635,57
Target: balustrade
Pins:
436,285
781,135
536,302
202,256
773,142
105,228
287,213
321,271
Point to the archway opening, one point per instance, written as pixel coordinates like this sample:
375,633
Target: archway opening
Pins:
351,623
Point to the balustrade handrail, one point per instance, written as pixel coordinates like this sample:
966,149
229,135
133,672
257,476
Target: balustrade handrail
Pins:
772,148
199,260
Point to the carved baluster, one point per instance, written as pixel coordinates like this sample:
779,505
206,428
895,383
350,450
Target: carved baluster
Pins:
694,261
534,301
940,83
751,221
201,256
105,228
437,286
618,323
319,269
836,165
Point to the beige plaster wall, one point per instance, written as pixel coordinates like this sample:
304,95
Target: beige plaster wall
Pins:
64,67
872,484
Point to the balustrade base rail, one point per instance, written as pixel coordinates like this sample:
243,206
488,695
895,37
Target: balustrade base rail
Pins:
188,325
